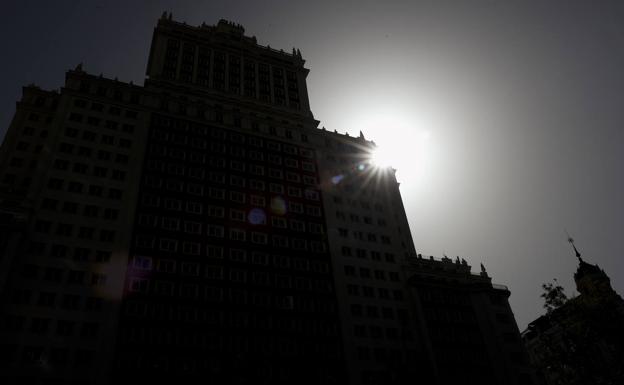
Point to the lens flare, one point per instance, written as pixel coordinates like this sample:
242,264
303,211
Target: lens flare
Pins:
381,157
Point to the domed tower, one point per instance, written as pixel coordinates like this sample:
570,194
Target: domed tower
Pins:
590,279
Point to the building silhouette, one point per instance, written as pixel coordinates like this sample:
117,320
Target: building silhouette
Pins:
201,227
468,325
582,341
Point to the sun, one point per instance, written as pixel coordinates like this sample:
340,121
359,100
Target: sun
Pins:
382,157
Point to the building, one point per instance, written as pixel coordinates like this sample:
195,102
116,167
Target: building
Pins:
582,341
200,226
468,325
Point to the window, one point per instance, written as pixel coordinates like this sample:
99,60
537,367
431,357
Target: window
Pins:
299,244
107,236
189,268
309,180
114,193
368,291
297,225
214,272
216,193
256,184
237,234
316,228
314,211
237,181
215,231
139,285
237,197
237,166
280,241
214,251
173,204
312,194
191,248
292,177
259,238
278,222
167,244
142,263
349,270
166,266
294,192
194,207
276,188
172,224
258,258
257,200
295,207
192,227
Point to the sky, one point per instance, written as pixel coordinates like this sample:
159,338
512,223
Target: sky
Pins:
505,119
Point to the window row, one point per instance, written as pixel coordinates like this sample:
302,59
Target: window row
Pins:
277,205
53,300
59,275
71,230
181,128
91,136
194,227
170,266
69,207
239,235
371,292
234,180
81,188
259,278
235,151
199,173
85,169
65,328
233,295
361,236
365,272
364,253
57,357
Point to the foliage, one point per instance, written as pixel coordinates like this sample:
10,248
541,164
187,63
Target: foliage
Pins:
553,295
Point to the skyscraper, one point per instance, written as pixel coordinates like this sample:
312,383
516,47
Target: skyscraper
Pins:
200,228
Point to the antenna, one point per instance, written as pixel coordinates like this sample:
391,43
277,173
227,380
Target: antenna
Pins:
571,240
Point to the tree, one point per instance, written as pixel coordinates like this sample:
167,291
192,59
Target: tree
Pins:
553,295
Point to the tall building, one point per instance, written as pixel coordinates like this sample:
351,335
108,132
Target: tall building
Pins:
200,228
468,325
582,341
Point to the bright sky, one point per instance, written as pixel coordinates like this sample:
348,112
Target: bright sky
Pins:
503,118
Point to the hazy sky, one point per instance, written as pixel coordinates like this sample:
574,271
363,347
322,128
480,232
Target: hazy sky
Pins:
506,117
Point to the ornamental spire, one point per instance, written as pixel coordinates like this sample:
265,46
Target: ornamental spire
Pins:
576,252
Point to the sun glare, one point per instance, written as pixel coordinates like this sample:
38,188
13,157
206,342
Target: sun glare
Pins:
381,157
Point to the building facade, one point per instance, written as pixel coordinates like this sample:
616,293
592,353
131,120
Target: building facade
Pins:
468,326
582,341
201,226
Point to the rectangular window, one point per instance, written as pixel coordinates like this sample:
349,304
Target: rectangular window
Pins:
237,235
237,197
215,231
214,251
167,244
259,238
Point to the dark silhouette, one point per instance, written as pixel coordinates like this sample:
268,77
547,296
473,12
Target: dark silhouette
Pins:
581,341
